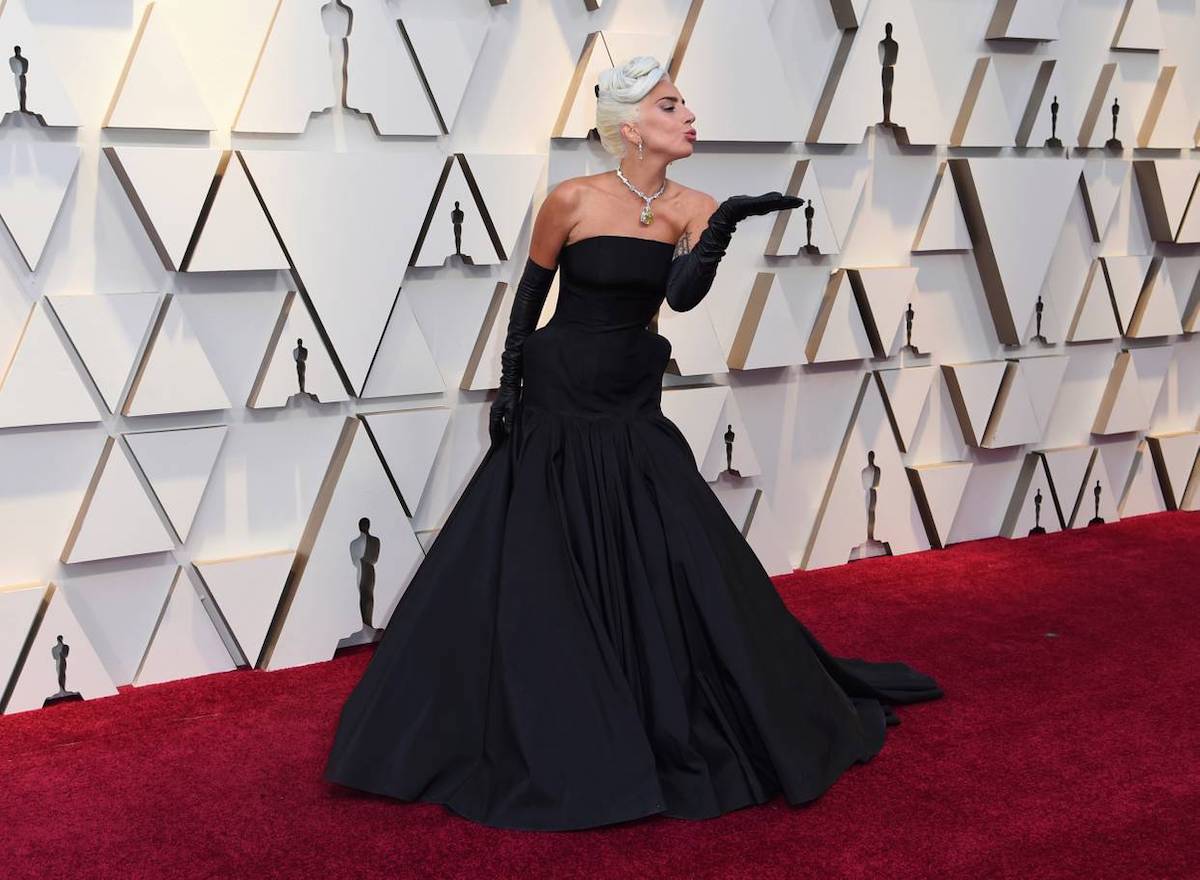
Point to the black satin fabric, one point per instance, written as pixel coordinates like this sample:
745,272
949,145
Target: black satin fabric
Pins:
590,639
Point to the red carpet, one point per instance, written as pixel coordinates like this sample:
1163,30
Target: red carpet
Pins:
1050,756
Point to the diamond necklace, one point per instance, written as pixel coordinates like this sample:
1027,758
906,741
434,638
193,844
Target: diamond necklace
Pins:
647,215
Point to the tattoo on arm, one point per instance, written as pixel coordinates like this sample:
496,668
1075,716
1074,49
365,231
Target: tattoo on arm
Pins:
683,246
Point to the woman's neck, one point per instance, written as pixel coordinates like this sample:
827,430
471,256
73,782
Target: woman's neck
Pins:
648,178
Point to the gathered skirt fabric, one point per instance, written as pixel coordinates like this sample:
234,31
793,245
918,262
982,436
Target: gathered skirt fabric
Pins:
591,640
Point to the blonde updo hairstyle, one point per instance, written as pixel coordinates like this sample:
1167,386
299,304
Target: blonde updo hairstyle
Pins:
619,91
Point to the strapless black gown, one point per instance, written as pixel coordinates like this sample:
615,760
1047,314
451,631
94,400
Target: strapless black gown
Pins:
590,639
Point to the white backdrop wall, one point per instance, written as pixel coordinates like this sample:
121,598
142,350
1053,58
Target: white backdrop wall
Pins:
166,552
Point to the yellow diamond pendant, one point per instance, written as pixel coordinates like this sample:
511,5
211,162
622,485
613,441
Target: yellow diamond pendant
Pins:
647,216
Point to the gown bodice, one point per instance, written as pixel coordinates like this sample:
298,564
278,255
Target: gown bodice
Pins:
612,282
596,357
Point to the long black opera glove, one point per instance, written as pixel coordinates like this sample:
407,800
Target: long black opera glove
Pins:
522,320
691,275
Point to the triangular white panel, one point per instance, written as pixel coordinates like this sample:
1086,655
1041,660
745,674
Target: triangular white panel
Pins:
886,292
1189,229
1169,120
1097,126
794,230
906,392
1016,209
41,385
175,374
247,590
696,349
157,88
324,608
44,93
447,51
1140,27
1094,504
1013,421
405,363
1043,377
696,412
1032,504
767,335
167,187
600,51
1142,492
381,78
940,488
1157,310
973,389
1101,185
843,179
751,512
236,235
943,227
735,450
107,332
1126,277
117,517
278,380
37,679
741,34
507,183
1051,111
19,604
482,368
842,519
234,329
1153,364
349,222
1025,20
1166,187
1176,463
983,119
1068,467
1094,318
1123,406
838,333
185,642
291,80
118,608
409,441
853,96
177,465
34,177
438,242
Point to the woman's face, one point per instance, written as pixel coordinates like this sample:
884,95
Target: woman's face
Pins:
665,123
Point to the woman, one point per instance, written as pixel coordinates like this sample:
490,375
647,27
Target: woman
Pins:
590,639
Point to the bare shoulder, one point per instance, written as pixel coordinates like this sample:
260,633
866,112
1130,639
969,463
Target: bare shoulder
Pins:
566,193
698,207
555,219
703,204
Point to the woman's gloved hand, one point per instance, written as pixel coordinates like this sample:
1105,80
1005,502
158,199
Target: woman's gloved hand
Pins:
522,320
691,275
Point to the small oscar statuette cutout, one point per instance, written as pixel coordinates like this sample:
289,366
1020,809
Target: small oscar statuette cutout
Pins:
1038,528
871,547
729,435
1096,520
300,356
59,652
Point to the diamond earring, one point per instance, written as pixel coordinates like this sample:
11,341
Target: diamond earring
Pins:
640,154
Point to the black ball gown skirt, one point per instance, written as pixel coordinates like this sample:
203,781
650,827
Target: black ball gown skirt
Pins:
590,639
